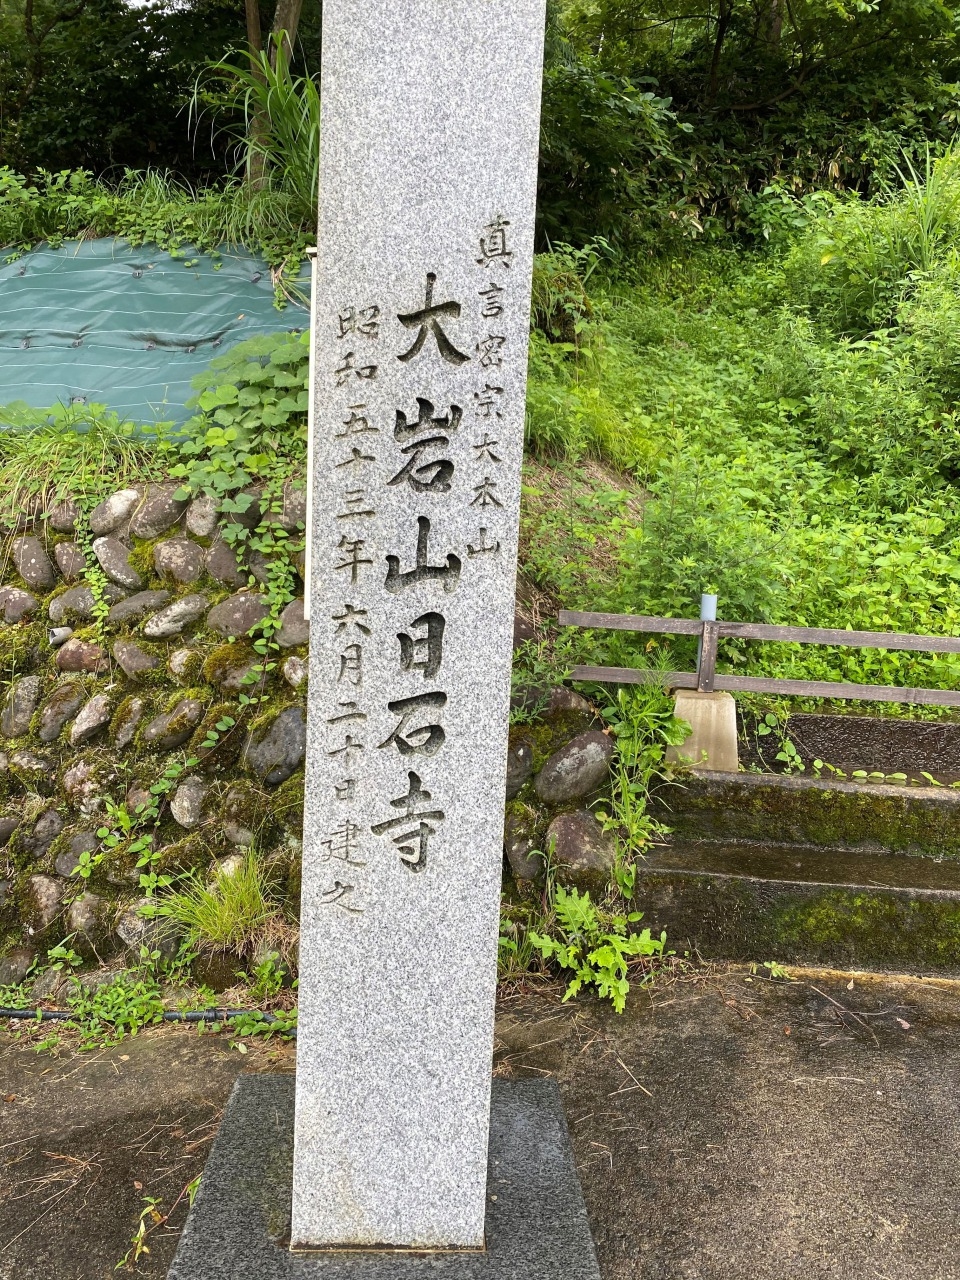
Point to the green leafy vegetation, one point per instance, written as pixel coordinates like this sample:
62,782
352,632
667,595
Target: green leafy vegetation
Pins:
151,207
255,1023
666,121
107,1014
798,464
251,432
251,425
594,946
775,971
82,450
644,726
104,85
563,929
267,977
150,1218
132,834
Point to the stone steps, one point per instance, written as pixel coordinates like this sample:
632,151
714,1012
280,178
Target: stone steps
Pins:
806,864
807,870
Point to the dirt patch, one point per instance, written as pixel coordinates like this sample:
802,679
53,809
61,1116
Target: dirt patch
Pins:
726,1128
85,1137
732,1128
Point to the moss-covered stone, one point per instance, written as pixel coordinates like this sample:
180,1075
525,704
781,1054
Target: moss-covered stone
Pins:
285,804
118,871
243,802
176,722
546,736
228,666
218,748
527,815
158,677
801,810
193,853
141,559
79,782
185,666
737,918
23,648
219,970
86,780
19,853
32,772
524,832
270,708
10,785
293,886
59,704
127,717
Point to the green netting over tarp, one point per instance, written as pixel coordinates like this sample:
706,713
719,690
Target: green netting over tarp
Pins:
100,322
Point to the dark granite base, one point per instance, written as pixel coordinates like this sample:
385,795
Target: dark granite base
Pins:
536,1227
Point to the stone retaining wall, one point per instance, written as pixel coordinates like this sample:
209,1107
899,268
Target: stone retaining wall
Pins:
92,711
558,767
812,811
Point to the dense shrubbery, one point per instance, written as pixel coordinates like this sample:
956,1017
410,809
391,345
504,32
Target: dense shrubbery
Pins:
661,120
276,212
793,419
747,105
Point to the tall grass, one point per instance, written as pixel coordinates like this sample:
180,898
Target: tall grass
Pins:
73,450
235,912
153,207
273,120
860,259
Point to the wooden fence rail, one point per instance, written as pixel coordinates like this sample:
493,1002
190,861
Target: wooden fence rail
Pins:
706,679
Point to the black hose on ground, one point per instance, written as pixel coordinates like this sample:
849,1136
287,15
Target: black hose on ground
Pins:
169,1015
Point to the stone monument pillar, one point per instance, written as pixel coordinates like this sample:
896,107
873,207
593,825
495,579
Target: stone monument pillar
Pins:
421,317
398,1168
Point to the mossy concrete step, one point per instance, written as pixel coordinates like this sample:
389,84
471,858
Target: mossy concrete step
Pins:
804,904
807,870
779,809
807,864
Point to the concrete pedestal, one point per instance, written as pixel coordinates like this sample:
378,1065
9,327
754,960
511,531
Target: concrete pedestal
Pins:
536,1222
712,743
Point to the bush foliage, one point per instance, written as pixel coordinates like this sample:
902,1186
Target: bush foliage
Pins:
791,417
662,120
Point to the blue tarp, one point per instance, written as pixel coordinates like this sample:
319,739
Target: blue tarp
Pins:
100,322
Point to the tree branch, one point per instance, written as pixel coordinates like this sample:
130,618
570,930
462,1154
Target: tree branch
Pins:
807,70
685,17
723,22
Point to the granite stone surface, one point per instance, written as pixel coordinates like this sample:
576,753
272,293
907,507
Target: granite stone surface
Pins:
536,1225
421,312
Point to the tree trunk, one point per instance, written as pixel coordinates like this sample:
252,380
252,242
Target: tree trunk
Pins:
259,124
723,22
254,34
285,20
